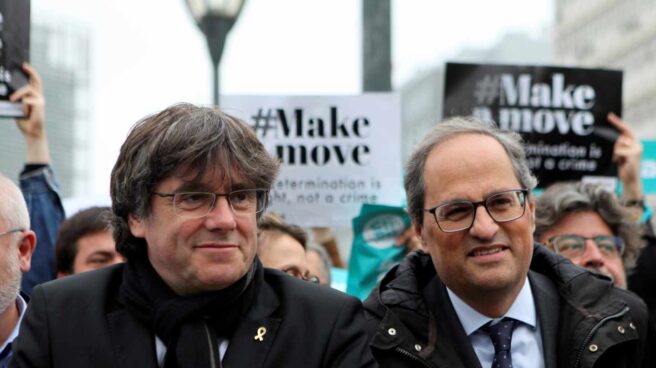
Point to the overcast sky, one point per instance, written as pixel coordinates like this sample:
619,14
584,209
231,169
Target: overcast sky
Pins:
148,54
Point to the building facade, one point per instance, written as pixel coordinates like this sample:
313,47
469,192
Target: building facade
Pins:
60,52
423,95
614,34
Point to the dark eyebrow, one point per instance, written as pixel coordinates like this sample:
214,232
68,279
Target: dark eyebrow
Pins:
102,253
460,200
453,201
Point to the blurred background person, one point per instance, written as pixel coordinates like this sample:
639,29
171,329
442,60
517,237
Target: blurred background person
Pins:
585,223
85,242
319,263
282,246
627,152
17,244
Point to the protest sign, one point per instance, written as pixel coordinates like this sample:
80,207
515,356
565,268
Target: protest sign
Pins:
373,252
337,152
14,51
560,112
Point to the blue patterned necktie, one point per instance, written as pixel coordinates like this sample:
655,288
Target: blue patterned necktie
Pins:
501,336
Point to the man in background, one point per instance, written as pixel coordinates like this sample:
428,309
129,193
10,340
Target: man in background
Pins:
17,244
586,223
85,242
319,263
282,246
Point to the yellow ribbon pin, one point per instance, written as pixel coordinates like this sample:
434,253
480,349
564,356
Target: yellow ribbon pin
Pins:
260,333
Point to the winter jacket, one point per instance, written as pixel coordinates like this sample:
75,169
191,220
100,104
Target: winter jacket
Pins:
412,323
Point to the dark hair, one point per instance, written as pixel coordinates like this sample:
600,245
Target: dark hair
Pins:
452,127
86,222
273,223
561,199
184,140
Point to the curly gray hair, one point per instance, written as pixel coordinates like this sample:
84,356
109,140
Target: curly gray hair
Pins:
561,199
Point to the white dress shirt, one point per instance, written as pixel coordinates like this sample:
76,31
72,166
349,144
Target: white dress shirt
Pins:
526,346
22,308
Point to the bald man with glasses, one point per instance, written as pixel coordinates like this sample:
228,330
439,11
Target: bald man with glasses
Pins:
17,244
481,293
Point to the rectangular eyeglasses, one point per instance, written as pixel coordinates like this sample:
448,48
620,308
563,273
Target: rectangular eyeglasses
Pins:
457,216
199,204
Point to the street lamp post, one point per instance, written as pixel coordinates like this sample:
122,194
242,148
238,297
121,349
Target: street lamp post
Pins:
215,19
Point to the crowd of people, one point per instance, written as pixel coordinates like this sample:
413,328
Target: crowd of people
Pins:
188,269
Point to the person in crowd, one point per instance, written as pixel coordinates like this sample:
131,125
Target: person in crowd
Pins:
319,263
17,243
325,238
627,152
85,242
282,246
38,182
483,293
187,190
586,223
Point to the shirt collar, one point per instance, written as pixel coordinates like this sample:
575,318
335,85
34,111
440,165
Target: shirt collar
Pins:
21,304
522,309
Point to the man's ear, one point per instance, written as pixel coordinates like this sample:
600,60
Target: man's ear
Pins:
418,229
26,246
137,226
531,211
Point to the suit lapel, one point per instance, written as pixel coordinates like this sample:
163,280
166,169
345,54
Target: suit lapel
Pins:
255,335
133,343
547,304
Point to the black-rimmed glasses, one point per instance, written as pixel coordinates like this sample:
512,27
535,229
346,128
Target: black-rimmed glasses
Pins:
457,216
199,204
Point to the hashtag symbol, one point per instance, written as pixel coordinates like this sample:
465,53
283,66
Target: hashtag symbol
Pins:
263,122
487,90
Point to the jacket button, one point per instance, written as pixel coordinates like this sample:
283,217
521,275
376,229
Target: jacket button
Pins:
417,347
632,325
593,347
621,329
391,331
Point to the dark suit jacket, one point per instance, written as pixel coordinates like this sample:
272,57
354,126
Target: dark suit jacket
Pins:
78,322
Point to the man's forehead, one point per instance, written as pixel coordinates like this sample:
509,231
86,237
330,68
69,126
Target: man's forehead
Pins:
212,178
466,162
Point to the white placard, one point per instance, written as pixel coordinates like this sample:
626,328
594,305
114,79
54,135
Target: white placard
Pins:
337,152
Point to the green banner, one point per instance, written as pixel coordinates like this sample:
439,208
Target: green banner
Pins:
373,252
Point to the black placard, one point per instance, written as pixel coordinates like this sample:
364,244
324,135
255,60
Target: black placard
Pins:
14,51
560,112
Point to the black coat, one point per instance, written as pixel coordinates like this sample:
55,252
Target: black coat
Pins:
584,320
78,322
